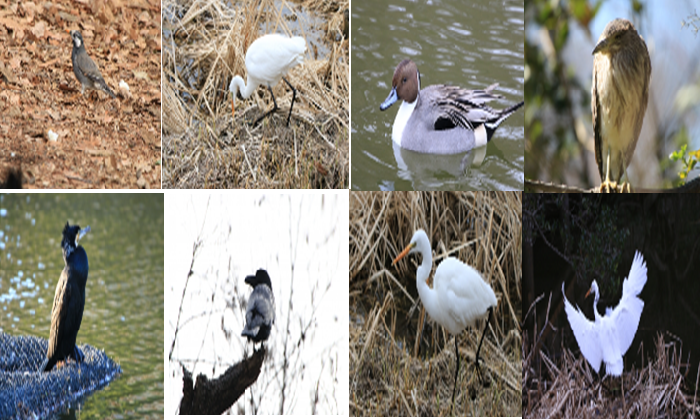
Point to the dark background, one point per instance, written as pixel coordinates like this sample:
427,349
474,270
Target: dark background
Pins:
578,238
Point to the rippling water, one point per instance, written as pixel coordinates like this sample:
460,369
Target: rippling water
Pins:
124,294
463,43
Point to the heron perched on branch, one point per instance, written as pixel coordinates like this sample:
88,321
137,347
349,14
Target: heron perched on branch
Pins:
619,96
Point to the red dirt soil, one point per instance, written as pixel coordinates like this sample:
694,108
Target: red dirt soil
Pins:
102,142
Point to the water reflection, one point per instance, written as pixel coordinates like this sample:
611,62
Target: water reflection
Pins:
467,44
124,293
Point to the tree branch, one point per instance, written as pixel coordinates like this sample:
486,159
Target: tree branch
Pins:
214,396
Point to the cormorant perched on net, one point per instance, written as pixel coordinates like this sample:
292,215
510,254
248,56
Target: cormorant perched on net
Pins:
261,308
69,300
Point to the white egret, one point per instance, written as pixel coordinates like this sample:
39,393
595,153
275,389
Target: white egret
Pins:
610,336
459,295
267,60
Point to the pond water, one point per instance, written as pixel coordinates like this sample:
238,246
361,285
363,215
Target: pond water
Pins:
462,43
124,293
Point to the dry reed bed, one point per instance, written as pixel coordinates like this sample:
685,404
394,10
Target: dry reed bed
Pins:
572,389
204,147
387,377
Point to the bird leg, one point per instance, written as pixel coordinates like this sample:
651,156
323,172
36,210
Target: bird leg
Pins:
294,95
606,184
625,186
476,359
270,111
78,355
456,372
611,186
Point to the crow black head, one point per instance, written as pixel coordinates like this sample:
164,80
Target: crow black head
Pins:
260,277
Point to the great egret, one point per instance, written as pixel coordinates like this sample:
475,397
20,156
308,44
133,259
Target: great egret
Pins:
608,338
267,60
260,314
459,295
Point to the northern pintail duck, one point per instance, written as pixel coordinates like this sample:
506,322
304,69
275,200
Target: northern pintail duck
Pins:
441,119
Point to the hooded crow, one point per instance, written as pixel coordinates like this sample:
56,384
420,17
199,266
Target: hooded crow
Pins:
261,308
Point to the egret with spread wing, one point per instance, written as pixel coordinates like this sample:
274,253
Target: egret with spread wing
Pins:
609,337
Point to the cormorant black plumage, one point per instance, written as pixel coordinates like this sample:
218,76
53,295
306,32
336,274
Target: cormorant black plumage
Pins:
69,299
261,308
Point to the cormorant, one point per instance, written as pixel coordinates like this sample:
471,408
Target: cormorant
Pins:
261,308
69,300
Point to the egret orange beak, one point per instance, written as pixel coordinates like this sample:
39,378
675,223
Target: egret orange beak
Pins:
587,293
404,253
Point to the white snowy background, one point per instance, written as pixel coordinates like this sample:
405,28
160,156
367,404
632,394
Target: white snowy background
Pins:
301,240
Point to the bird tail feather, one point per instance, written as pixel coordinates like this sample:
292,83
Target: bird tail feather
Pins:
614,368
250,332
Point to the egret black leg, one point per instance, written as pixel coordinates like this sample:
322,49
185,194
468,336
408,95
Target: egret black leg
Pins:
476,359
294,95
456,373
270,111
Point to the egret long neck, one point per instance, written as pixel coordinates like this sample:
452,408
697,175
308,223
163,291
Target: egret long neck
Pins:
427,295
595,306
238,84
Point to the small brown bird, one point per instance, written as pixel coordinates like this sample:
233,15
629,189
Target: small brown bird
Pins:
619,94
85,69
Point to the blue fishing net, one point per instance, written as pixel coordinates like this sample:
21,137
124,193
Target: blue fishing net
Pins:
27,393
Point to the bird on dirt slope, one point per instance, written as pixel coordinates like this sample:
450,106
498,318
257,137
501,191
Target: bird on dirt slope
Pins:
85,70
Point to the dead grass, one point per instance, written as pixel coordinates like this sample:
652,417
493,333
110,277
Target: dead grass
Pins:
204,147
572,390
391,373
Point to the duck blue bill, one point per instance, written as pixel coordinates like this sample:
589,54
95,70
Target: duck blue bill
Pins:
389,101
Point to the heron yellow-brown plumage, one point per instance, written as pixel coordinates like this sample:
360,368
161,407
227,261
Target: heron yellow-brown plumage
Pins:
619,95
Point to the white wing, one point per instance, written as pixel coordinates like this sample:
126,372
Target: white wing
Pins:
463,294
633,285
626,315
585,332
